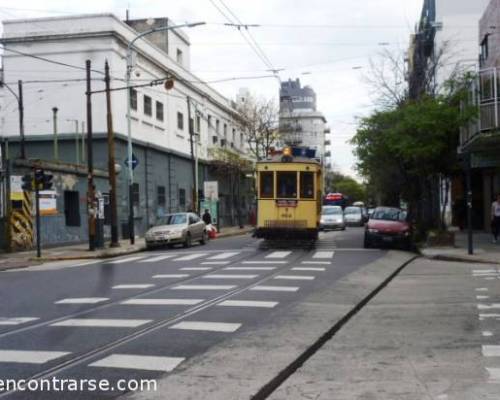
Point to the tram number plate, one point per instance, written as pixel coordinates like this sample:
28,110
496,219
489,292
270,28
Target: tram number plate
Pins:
286,203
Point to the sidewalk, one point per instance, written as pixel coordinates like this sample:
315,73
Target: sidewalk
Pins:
484,250
81,251
422,337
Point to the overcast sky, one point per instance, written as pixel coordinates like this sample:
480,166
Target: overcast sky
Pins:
318,41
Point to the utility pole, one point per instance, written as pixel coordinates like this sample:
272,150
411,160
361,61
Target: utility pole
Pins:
468,188
83,141
56,145
91,206
111,162
77,140
193,160
21,119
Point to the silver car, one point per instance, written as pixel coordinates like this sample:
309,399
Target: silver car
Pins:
354,216
179,228
332,217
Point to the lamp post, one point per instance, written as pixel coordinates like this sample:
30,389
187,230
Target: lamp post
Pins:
20,105
129,123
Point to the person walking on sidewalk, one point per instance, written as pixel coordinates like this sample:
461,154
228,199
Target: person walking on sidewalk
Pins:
495,218
207,218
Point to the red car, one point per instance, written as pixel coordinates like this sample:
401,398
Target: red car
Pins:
388,226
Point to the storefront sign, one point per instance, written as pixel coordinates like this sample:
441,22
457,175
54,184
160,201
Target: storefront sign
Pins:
48,202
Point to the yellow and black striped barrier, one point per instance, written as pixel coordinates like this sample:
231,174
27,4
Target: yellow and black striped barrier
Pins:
21,222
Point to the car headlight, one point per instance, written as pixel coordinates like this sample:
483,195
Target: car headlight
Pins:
405,233
371,230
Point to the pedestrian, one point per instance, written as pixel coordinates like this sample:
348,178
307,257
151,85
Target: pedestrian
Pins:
495,218
207,218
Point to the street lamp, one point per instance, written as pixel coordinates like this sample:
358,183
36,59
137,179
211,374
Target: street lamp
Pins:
129,128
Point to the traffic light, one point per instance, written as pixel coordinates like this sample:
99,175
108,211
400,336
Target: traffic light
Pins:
27,185
38,177
47,181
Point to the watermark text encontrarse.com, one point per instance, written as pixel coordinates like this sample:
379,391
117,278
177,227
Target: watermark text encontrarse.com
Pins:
55,384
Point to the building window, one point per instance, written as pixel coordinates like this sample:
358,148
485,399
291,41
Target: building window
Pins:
135,194
287,185
225,131
484,49
234,135
159,111
179,56
162,199
241,139
217,126
266,185
133,99
198,124
307,185
180,121
72,207
148,106
182,198
209,122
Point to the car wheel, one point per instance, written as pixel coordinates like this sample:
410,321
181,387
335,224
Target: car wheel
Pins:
187,242
367,244
149,247
204,238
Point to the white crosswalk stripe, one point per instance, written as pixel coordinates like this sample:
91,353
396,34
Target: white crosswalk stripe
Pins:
29,357
82,300
295,277
264,262
215,262
165,276
279,254
316,262
491,350
131,361
229,276
248,303
207,326
204,287
158,258
133,286
16,320
249,268
323,254
102,323
308,269
124,260
223,256
190,257
162,302
275,288
196,268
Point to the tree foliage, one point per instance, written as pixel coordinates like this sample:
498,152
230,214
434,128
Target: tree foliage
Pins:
340,183
401,148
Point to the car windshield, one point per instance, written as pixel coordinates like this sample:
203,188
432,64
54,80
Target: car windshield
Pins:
173,219
331,211
389,215
352,210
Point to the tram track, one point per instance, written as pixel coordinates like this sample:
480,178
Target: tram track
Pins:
154,326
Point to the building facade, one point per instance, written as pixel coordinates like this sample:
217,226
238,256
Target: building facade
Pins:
49,56
300,122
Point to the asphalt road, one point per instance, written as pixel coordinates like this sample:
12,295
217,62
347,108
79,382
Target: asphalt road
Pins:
143,315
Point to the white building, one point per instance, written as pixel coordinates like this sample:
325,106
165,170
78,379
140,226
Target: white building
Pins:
158,116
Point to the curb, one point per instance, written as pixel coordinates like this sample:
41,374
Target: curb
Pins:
442,257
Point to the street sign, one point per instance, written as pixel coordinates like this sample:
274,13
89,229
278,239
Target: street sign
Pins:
135,161
211,190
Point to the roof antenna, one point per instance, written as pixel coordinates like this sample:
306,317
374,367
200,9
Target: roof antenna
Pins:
127,15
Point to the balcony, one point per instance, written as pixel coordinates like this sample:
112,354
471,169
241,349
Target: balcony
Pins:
482,136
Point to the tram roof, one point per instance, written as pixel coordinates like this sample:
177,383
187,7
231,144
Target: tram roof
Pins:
277,158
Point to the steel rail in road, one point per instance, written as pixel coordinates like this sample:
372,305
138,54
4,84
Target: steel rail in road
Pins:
85,356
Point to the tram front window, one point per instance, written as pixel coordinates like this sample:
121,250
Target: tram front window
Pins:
266,185
307,185
287,185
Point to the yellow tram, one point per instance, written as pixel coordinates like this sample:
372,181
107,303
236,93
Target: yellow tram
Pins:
289,191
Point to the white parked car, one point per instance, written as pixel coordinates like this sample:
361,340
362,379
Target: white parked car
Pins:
354,216
332,217
183,228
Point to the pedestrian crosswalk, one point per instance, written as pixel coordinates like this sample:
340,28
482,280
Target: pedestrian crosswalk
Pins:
204,279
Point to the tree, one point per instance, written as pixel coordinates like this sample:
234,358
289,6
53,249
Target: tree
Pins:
338,182
259,125
401,149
